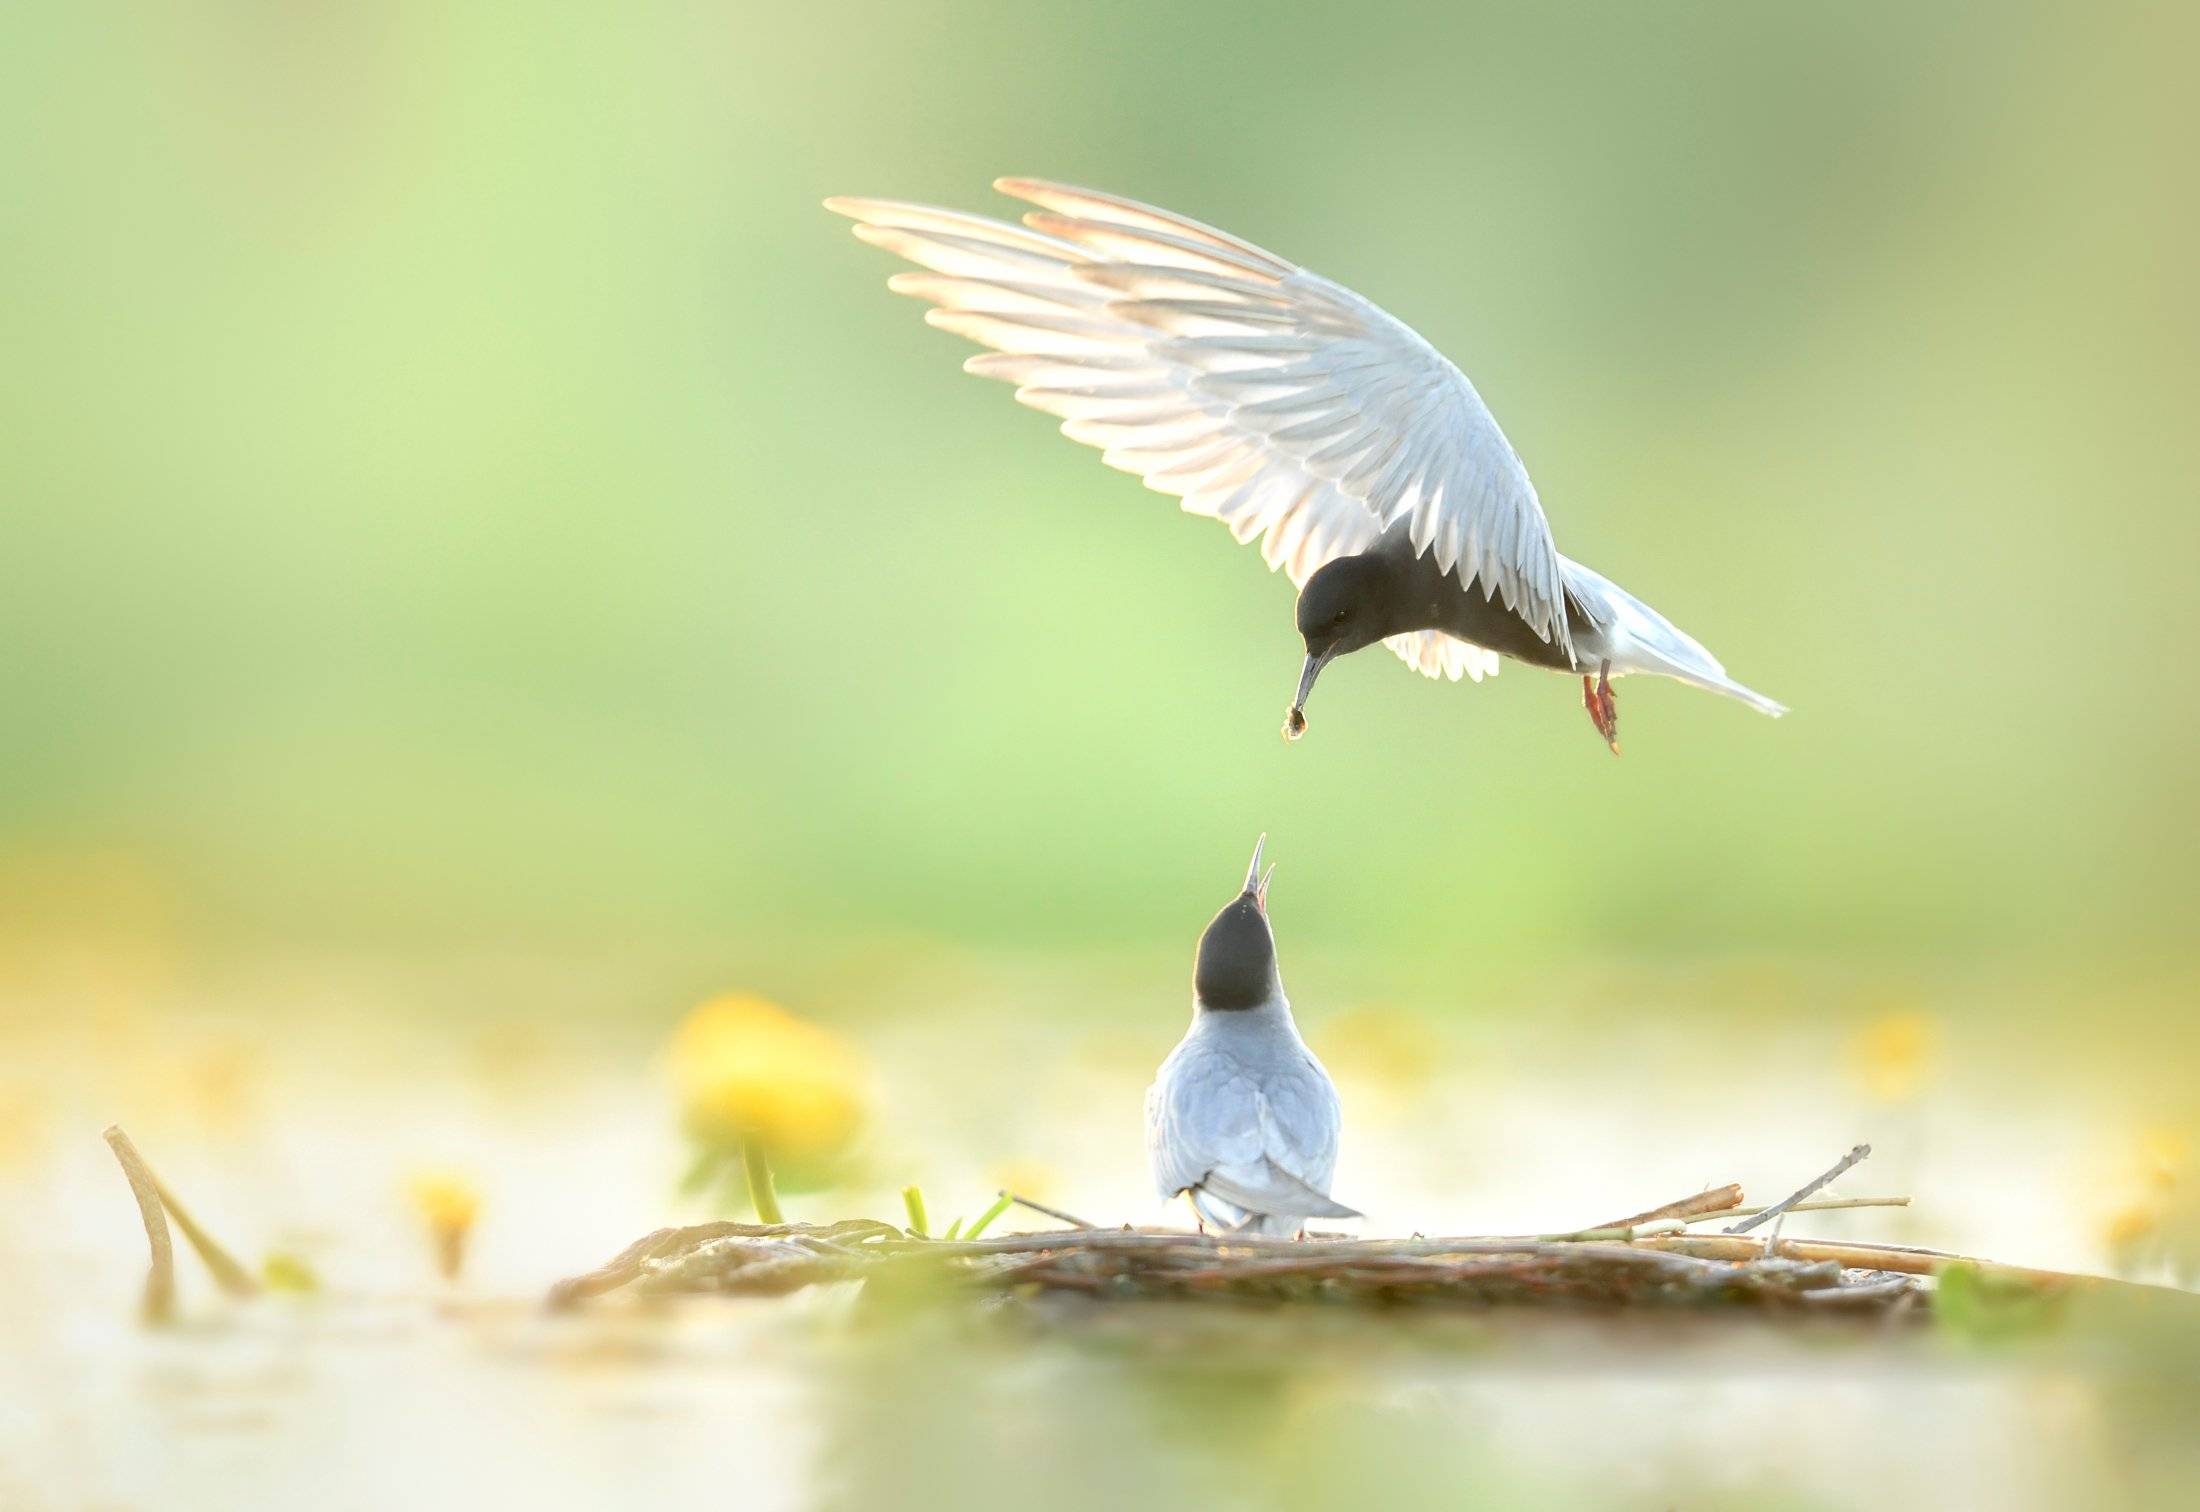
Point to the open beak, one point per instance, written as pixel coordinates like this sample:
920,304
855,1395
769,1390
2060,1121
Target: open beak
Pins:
1252,873
1294,722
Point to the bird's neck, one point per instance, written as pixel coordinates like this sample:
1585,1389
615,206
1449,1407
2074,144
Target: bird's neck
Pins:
1413,595
1267,1011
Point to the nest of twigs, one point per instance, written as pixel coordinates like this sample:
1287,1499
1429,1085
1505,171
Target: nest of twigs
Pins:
1651,1259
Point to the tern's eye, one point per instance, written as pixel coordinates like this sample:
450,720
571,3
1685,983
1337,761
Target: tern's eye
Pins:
1338,618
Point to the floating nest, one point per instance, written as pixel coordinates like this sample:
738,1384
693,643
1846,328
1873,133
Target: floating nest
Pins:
1648,1260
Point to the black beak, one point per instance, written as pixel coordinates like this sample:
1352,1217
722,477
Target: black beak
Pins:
1256,881
1294,722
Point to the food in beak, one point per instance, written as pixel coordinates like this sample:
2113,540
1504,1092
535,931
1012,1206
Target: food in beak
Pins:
1294,723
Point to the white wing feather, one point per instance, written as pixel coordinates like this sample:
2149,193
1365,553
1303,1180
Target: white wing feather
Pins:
1435,654
1262,395
1265,1141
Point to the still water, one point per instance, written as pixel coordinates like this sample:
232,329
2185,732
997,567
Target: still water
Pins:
386,1386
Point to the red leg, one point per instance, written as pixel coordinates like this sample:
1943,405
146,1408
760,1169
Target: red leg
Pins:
1603,705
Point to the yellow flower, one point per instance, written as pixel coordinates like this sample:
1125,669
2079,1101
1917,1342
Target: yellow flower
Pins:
446,1199
448,1202
1892,1055
748,1069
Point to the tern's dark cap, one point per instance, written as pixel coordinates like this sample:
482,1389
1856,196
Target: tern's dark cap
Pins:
1237,954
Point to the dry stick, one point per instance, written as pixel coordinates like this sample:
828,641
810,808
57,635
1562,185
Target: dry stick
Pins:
1863,1291
1802,1192
1701,1205
1772,1235
1821,1205
228,1274
1085,1235
629,1264
1721,1202
1854,1256
1174,1244
1055,1213
160,1283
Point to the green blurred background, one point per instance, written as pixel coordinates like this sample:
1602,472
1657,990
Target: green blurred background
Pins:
485,564
460,488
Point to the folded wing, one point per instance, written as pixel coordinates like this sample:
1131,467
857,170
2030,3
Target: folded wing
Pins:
1263,1142
1275,1191
1262,395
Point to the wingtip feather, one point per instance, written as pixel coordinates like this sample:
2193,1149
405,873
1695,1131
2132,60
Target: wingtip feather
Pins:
1199,299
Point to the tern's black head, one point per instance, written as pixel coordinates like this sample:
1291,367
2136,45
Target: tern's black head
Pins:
1237,954
1345,605
1348,604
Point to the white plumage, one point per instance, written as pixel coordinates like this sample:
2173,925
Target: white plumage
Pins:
1245,1119
1241,1116
1286,406
1263,395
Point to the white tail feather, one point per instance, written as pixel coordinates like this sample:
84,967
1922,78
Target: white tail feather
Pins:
1636,638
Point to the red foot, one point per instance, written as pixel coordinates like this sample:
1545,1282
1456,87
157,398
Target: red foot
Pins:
1603,705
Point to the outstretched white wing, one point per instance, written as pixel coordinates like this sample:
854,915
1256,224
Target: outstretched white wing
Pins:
1263,395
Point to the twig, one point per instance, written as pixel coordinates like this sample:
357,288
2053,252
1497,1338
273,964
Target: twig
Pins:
1802,1192
228,1274
630,1263
1183,1241
1711,1204
232,1277
1879,1257
1862,1291
1640,1229
160,1282
1055,1213
1820,1205
1772,1235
